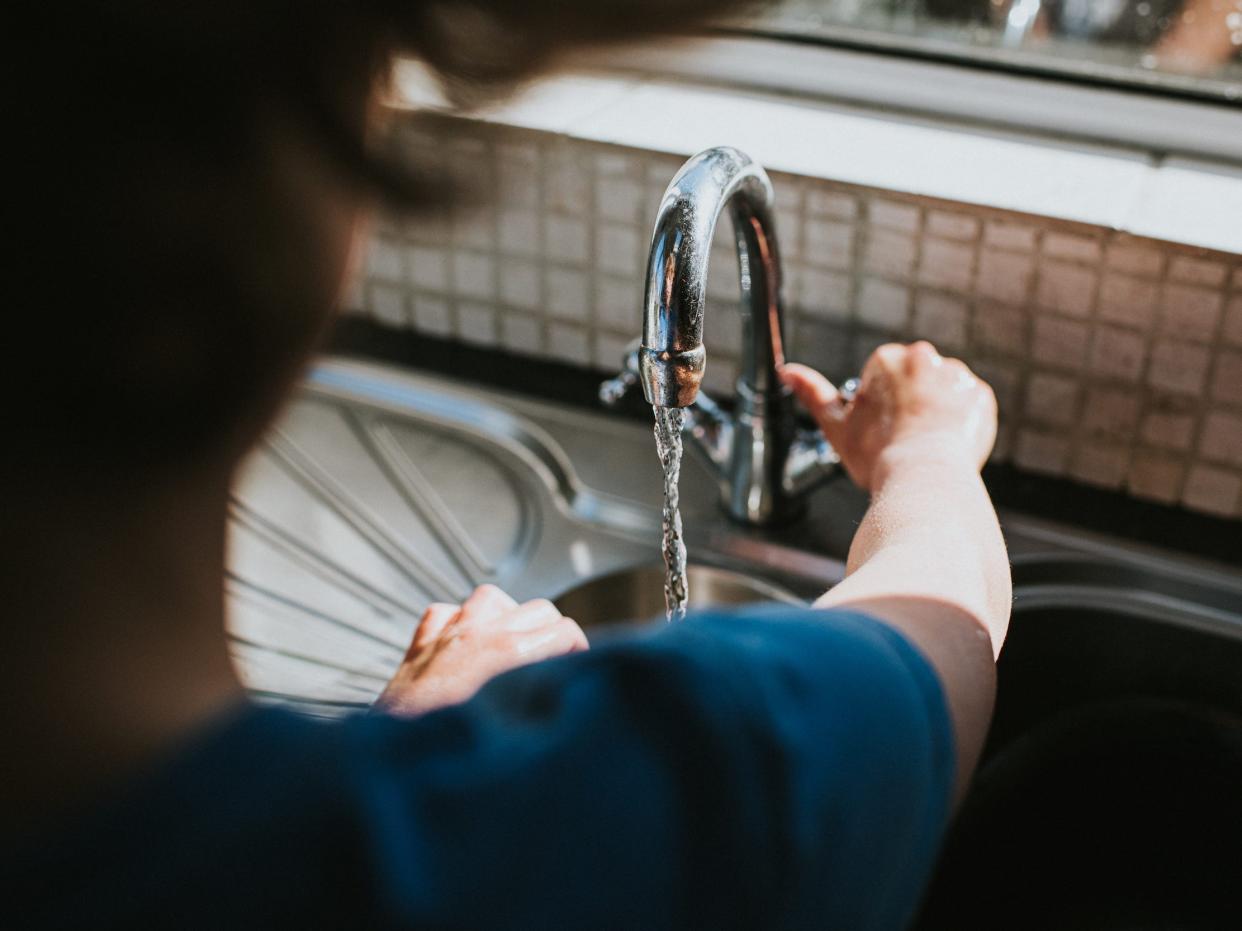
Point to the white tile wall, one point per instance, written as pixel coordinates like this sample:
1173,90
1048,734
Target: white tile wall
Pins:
942,319
1066,288
952,225
610,350
1190,312
1168,429
1198,271
826,294
820,202
946,265
1042,451
567,291
1060,343
384,260
1178,367
1101,464
432,315
1116,360
428,267
1221,440
1232,330
1156,477
521,283
1077,248
1005,234
1227,379
889,253
474,275
828,243
1000,329
1127,299
567,240
518,232
1005,276
1118,354
619,249
476,323
1052,399
1144,260
894,215
520,333
618,304
1109,413
387,304
566,341
1212,489
884,305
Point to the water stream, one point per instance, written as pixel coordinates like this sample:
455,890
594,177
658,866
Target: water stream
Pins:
668,423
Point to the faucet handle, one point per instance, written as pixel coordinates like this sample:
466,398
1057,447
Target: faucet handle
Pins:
614,389
811,458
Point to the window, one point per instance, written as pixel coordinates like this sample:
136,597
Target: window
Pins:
1187,48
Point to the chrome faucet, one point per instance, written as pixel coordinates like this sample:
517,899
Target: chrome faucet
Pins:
763,462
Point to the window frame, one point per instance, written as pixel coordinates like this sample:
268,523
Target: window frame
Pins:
893,81
1019,61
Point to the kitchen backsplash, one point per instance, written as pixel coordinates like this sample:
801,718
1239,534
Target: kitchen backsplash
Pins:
1117,361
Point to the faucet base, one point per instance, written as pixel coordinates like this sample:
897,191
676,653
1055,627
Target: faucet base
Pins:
763,433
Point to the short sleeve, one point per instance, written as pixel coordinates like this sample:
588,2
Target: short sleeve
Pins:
770,767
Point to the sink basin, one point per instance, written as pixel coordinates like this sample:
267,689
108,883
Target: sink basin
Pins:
1107,796
637,595
382,490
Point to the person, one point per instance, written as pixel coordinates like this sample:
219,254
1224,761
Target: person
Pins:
197,176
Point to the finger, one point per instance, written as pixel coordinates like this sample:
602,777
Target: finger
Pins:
557,639
816,394
533,615
433,622
810,387
485,601
579,637
890,357
963,379
923,354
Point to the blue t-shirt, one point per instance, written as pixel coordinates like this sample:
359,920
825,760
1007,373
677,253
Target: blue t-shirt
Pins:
768,768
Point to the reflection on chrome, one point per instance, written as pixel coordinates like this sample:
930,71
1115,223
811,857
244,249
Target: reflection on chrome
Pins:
763,463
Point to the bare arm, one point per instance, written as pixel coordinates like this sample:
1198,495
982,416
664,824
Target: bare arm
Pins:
928,558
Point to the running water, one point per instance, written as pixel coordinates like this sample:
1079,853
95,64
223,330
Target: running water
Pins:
668,422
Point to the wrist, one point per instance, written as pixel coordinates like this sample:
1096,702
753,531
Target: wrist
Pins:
920,453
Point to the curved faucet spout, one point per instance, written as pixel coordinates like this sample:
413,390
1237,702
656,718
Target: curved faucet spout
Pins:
672,356
765,467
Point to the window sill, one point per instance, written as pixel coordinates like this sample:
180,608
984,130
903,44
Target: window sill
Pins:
1187,200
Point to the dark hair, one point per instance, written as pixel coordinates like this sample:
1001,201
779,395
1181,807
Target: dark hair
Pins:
172,268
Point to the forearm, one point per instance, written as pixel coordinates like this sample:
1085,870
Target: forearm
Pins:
931,533
930,561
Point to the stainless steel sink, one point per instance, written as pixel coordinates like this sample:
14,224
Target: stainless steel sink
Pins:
1108,793
383,490
637,595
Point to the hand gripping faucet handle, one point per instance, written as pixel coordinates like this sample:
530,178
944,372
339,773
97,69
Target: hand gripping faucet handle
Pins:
614,389
811,458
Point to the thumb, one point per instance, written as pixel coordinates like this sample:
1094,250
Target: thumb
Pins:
814,392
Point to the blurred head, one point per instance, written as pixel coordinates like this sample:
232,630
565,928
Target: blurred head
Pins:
196,174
